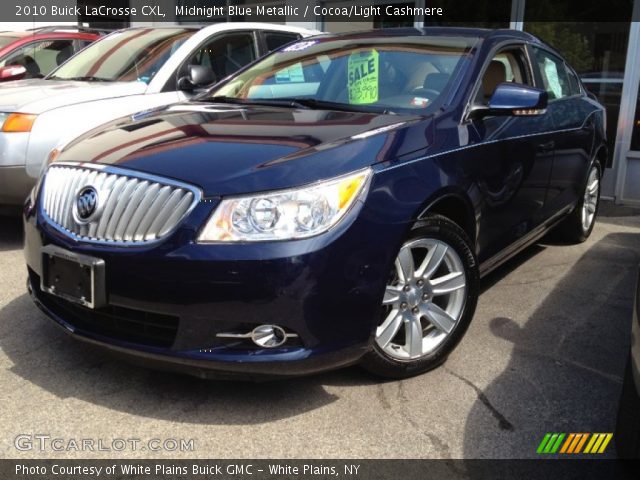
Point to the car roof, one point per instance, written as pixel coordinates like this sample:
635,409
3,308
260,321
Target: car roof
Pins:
15,35
483,33
53,35
229,26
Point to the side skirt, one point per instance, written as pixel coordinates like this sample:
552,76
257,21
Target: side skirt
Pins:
516,247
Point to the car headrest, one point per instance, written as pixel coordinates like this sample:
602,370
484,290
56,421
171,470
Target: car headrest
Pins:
436,81
495,75
64,55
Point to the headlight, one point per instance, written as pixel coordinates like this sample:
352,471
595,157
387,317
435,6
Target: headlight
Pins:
17,122
288,214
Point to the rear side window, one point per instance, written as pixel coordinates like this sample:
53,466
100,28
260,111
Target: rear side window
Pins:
40,58
275,40
553,74
574,84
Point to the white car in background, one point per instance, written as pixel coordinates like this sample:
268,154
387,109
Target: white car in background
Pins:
126,72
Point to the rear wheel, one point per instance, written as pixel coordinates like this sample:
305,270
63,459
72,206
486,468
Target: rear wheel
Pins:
579,224
428,303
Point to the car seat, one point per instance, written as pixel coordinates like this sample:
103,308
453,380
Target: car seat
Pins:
64,55
495,75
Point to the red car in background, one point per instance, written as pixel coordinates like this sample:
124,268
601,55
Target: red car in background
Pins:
35,53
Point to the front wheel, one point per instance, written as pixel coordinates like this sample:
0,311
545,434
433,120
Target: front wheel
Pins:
428,303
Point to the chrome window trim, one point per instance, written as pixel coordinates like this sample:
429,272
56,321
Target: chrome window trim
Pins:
108,169
499,48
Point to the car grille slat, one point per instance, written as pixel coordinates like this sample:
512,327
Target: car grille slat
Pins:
108,186
185,201
132,208
57,197
109,207
154,209
167,209
120,204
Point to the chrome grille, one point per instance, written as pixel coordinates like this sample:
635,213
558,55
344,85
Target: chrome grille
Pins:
132,208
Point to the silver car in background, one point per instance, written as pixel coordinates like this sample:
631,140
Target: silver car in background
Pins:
129,71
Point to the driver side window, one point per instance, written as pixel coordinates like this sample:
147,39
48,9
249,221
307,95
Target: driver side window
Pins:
507,66
225,54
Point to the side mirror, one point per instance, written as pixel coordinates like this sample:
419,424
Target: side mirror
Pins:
513,99
12,72
199,76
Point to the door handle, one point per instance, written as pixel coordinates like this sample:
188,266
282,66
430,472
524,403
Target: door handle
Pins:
547,146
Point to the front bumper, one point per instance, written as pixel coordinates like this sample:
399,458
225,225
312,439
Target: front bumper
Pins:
15,186
167,302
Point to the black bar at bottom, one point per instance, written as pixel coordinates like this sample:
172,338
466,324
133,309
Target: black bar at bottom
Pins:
317,469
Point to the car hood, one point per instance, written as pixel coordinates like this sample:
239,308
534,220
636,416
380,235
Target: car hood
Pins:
39,95
227,149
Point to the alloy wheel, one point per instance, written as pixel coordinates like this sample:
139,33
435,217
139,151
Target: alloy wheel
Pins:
423,301
590,202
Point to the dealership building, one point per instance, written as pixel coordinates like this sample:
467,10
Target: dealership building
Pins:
606,53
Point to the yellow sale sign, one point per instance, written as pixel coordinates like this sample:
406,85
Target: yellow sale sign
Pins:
362,80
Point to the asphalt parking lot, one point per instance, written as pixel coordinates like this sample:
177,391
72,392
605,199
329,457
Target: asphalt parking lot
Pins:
545,353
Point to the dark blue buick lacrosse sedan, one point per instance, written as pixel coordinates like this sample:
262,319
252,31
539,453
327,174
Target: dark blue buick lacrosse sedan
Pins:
333,203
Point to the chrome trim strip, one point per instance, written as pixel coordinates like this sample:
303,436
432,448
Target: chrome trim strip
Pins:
488,142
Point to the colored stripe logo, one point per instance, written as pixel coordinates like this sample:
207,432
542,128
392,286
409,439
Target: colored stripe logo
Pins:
574,443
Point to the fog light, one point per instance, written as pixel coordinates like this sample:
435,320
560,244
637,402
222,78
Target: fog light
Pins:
264,336
268,336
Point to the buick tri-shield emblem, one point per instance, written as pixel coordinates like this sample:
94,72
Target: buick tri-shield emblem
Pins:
86,204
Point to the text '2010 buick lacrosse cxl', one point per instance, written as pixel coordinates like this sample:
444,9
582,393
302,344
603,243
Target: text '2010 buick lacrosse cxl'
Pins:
333,203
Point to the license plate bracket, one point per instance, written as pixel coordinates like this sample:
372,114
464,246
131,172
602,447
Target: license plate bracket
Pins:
75,277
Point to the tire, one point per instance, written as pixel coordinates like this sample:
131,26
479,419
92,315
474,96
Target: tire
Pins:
627,434
574,228
430,298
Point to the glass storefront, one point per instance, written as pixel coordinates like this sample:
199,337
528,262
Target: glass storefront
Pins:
471,13
375,21
597,52
498,11
635,137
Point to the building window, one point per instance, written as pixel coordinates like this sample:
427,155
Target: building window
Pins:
471,13
635,137
597,52
375,21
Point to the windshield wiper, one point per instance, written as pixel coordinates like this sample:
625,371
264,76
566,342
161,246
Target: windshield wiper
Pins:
314,103
273,102
87,78
303,102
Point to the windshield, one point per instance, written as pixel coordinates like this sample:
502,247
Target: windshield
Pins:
129,55
394,74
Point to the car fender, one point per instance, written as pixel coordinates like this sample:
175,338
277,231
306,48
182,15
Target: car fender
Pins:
455,204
